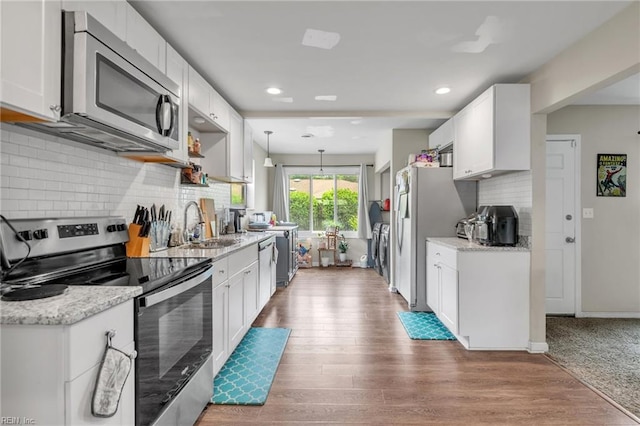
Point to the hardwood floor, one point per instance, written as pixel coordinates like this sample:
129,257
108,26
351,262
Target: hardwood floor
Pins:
349,360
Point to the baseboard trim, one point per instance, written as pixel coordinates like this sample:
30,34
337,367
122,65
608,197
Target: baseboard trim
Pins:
538,347
608,315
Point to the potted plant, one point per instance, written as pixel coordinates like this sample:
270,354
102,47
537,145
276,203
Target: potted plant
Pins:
343,246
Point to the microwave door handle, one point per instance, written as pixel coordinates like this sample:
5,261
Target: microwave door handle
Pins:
161,296
164,114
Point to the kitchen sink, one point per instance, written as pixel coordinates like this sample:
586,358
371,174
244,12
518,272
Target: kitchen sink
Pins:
216,243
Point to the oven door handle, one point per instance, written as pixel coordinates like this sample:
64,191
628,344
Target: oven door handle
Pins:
161,296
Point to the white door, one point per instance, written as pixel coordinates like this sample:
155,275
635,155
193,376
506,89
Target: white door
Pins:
561,210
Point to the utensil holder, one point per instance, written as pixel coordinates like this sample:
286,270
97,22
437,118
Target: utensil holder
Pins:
137,246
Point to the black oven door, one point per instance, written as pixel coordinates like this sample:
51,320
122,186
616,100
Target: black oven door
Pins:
173,335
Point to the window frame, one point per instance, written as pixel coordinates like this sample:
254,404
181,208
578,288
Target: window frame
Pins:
314,171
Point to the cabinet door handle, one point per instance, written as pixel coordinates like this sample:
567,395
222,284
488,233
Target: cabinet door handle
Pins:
221,271
247,272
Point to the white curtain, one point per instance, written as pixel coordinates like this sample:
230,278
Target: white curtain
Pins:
280,196
364,225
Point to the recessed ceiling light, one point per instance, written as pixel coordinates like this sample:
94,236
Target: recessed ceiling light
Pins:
329,98
199,120
274,91
307,135
442,90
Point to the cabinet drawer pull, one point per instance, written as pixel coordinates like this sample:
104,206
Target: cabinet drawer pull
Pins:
221,271
247,272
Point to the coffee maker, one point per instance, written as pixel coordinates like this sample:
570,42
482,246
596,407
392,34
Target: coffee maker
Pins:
235,218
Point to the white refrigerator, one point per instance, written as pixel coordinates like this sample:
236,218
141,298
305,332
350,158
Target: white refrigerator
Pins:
428,203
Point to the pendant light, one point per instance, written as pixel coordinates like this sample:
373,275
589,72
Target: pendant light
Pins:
321,151
267,161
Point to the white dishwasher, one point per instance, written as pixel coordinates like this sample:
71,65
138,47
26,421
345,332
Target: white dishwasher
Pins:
267,269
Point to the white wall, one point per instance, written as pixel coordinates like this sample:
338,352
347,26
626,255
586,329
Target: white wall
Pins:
611,240
43,177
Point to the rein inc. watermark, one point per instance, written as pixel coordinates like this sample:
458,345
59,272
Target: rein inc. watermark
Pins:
8,420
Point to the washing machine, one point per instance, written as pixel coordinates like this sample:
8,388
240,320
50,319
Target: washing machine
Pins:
375,247
384,251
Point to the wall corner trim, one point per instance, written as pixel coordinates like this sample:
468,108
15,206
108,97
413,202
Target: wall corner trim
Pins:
537,347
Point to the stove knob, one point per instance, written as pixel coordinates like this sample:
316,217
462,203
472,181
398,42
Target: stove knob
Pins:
111,228
122,227
26,235
40,234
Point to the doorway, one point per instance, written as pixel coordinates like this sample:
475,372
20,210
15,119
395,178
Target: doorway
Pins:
563,224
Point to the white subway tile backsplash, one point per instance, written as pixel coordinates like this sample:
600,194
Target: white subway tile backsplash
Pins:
42,177
511,189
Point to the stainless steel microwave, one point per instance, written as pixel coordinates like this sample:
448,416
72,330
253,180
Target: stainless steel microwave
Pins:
112,97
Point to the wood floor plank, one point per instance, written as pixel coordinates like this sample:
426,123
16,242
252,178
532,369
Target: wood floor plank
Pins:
349,361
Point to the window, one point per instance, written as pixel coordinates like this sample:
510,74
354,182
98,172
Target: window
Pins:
238,194
317,201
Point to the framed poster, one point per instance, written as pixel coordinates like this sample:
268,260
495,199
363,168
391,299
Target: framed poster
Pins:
612,175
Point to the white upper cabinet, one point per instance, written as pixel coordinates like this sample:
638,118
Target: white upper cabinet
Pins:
177,71
220,110
248,152
236,148
143,38
198,93
30,59
176,68
112,14
207,102
492,133
442,137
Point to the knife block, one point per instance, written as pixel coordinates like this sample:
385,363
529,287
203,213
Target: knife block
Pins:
137,246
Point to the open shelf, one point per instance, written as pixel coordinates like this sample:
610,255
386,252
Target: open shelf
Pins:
195,155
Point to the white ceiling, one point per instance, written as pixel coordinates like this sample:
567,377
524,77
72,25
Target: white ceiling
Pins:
389,58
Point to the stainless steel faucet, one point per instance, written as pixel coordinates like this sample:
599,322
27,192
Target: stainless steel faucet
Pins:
200,223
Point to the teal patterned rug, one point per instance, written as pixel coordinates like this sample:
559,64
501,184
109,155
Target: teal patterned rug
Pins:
246,377
424,326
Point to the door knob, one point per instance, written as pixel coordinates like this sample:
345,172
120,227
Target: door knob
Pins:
568,217
570,240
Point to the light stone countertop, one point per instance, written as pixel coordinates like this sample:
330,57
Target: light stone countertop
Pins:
80,302
461,244
77,303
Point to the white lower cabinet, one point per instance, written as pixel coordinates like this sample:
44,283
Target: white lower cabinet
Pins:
236,310
220,315
251,294
49,371
449,297
481,295
235,301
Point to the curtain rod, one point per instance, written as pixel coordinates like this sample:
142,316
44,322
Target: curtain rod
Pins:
325,165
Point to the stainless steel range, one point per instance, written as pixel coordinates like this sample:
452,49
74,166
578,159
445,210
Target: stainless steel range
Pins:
173,324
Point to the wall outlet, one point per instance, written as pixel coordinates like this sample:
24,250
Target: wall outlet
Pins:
587,213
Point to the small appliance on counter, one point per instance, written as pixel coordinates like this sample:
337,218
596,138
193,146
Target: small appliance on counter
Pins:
496,226
260,221
465,228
